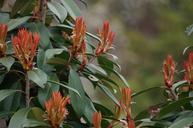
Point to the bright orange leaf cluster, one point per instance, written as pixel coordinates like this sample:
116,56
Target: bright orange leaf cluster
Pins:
96,119
125,108
3,34
56,109
168,71
25,45
106,38
78,40
188,66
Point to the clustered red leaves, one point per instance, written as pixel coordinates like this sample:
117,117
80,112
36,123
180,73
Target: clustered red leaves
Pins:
3,34
106,38
56,110
125,108
169,67
78,40
168,71
25,45
188,66
96,119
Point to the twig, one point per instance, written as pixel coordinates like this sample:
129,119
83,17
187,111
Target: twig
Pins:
27,91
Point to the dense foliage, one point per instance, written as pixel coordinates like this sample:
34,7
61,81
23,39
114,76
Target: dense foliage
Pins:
47,57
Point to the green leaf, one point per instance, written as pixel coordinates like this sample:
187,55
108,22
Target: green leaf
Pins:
65,86
105,111
34,123
185,122
41,29
27,117
4,17
81,104
108,93
23,7
5,93
38,77
58,10
116,74
71,7
178,84
45,93
18,118
51,52
174,106
97,69
40,58
142,115
4,114
35,118
7,62
14,23
104,61
41,62
13,102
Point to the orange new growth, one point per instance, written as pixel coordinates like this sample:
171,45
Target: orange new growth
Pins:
3,34
168,71
56,110
188,66
126,106
78,35
106,39
96,119
25,45
78,40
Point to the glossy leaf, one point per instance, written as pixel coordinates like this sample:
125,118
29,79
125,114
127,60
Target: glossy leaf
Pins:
65,86
72,8
51,52
4,17
81,104
13,102
23,118
38,77
178,84
43,32
14,23
58,9
18,118
108,93
7,62
35,118
116,74
6,92
45,93
34,123
185,122
23,7
174,106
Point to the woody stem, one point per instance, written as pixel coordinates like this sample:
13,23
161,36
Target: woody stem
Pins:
27,91
43,8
